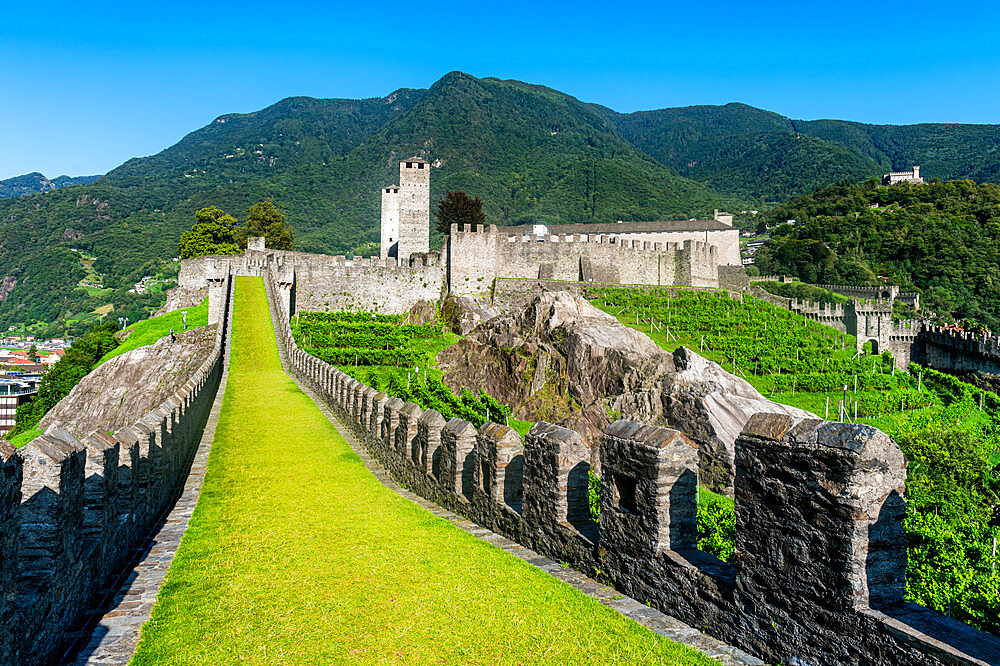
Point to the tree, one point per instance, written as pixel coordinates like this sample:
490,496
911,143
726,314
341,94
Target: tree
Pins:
267,220
213,233
33,354
458,208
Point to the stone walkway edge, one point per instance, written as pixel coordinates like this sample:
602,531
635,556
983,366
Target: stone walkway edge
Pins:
115,637
652,619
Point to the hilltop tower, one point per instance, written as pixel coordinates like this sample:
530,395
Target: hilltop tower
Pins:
414,201
390,222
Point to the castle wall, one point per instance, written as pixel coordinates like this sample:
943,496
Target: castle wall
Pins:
715,232
195,272
478,256
325,283
320,282
73,506
946,349
822,551
473,257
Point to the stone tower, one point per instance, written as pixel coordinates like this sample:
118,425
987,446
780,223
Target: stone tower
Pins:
414,202
870,320
390,221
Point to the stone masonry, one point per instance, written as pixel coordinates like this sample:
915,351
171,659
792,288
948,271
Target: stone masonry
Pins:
75,500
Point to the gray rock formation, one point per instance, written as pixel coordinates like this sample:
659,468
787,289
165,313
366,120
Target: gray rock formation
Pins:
564,361
464,313
119,392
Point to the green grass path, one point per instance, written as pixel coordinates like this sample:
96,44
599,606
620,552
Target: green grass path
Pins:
296,554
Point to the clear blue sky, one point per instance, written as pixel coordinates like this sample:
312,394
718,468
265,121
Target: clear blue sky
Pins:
86,85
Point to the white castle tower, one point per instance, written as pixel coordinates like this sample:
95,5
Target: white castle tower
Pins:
390,221
406,212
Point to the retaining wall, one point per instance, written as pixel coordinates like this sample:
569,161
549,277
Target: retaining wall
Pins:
817,576
71,509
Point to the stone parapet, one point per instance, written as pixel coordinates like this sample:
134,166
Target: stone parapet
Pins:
71,509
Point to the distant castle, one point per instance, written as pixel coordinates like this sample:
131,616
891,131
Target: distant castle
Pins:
684,253
911,176
503,263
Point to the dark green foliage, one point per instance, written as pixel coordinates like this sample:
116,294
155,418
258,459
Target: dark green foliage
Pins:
267,220
745,152
594,495
60,379
458,208
941,238
803,292
754,154
945,151
716,524
214,232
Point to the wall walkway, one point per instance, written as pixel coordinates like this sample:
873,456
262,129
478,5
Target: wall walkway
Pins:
297,554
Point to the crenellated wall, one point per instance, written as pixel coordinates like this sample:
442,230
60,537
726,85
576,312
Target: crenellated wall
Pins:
888,292
72,508
320,282
482,254
817,575
964,351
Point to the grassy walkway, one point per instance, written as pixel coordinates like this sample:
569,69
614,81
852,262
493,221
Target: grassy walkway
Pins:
297,554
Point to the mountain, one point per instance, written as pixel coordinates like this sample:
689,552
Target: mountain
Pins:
35,182
741,151
945,151
532,153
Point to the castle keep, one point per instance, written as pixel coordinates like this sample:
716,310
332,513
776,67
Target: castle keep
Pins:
406,212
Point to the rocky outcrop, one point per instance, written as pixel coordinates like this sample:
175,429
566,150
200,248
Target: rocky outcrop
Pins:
7,284
564,361
464,313
711,406
423,312
119,392
179,298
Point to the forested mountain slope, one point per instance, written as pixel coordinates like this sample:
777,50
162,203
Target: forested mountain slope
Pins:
749,152
742,151
942,238
945,151
532,154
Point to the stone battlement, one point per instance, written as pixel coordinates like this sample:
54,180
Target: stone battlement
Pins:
320,282
816,308
794,592
478,256
887,292
72,508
